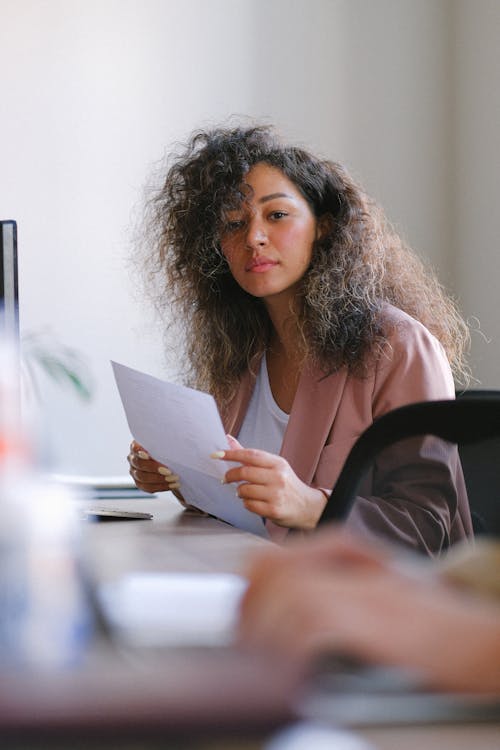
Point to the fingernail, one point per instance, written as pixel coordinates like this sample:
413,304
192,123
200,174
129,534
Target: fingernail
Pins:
172,478
164,471
143,454
223,480
174,486
218,454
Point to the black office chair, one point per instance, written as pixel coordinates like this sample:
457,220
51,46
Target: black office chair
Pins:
481,465
472,422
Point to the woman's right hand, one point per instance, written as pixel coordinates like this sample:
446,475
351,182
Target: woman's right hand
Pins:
148,474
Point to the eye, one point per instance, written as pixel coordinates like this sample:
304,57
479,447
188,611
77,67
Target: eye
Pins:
277,215
234,225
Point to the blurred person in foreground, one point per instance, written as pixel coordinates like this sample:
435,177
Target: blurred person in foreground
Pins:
339,595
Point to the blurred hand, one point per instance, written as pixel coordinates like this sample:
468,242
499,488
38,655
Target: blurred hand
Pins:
270,487
341,595
288,605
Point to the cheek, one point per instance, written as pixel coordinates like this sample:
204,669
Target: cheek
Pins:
232,252
227,252
301,239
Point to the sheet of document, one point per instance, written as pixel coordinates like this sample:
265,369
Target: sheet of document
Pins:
180,427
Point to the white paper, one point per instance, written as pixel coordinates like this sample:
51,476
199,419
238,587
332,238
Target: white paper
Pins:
174,609
180,427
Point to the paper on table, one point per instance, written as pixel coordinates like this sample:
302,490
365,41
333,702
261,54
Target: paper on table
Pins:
181,427
174,609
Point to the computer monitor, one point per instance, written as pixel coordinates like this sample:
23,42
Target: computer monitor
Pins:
9,301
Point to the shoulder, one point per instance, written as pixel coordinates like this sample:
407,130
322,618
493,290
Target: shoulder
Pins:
407,337
412,365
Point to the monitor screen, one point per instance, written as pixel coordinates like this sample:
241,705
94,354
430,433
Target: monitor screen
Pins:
9,316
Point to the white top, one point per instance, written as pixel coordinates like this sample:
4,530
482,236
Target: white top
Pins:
265,423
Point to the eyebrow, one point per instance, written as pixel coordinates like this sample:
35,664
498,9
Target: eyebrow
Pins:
274,195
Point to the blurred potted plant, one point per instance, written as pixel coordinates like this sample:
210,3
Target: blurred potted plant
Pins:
40,351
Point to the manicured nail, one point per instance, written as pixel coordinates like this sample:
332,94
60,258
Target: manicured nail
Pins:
174,486
143,454
218,454
164,471
223,480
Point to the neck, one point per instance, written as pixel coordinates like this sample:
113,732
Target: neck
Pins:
285,338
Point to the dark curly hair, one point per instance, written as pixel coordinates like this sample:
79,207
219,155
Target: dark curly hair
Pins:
358,264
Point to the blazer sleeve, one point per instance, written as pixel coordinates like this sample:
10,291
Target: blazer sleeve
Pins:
415,494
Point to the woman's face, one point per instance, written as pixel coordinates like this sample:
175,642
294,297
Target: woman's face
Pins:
268,241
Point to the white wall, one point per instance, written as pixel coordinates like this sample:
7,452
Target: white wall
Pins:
94,92
476,178
398,98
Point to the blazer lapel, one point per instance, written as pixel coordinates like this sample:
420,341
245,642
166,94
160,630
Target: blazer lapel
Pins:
233,413
313,413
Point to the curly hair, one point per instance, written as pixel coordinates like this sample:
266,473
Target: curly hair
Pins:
359,264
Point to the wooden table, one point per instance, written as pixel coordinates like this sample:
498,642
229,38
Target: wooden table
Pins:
187,699
175,540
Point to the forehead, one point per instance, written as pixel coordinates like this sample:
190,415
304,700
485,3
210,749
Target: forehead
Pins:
265,180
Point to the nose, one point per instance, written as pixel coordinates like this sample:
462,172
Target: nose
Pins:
256,236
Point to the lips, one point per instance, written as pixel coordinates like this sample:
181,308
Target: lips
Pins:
260,264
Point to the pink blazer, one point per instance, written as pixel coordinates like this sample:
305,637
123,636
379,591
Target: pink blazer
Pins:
329,413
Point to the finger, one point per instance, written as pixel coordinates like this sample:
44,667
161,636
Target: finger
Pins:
233,443
250,491
249,456
147,486
150,467
148,464
136,454
151,479
140,463
249,474
135,447
256,500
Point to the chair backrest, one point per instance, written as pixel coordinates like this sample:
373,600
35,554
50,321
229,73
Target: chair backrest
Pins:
481,465
472,422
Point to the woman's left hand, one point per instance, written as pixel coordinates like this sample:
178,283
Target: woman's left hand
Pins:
270,487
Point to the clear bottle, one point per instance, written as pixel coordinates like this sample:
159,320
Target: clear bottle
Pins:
44,621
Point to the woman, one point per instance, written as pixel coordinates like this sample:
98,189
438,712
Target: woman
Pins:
306,317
